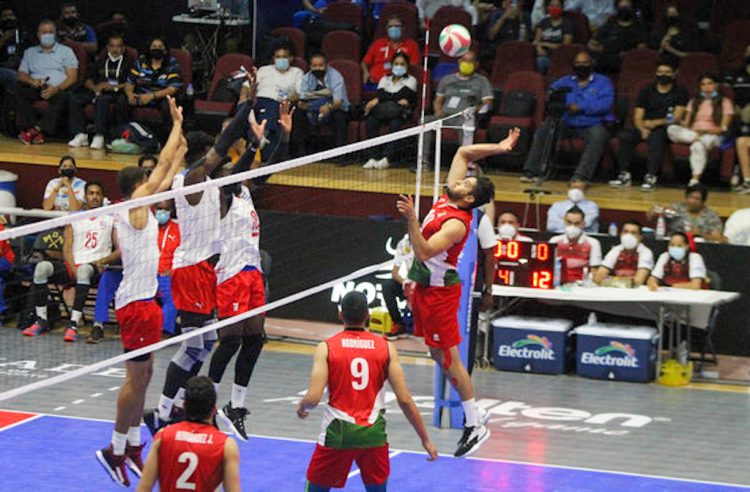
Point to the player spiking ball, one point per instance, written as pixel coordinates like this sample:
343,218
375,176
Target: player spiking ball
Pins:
433,286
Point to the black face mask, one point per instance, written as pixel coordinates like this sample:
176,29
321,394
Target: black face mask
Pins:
625,14
70,21
583,72
664,79
673,20
319,74
157,54
68,172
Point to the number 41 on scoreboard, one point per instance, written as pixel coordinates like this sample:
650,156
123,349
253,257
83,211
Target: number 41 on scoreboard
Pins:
525,264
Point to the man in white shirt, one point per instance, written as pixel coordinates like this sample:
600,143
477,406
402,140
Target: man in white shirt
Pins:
631,258
737,228
393,288
576,198
578,252
508,224
427,9
67,191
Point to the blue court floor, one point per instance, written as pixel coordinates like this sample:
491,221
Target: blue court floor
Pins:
53,453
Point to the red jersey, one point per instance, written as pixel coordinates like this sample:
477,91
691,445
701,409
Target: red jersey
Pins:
627,263
191,457
380,54
5,249
169,239
357,370
440,270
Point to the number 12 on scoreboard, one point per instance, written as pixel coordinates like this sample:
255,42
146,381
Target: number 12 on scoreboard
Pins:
541,279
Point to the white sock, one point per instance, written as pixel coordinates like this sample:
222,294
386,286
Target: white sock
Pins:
238,395
179,399
41,312
134,436
165,408
470,411
118,443
76,316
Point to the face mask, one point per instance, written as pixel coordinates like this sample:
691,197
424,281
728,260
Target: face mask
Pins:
507,231
664,79
555,12
628,241
677,253
673,20
625,14
575,195
114,58
148,172
68,172
466,68
318,74
162,216
399,70
394,33
47,39
70,21
583,72
709,95
157,53
573,232
281,64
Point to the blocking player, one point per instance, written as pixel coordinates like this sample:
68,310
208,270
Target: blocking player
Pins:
355,364
193,455
138,315
240,285
436,289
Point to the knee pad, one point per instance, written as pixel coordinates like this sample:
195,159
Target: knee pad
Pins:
194,320
208,339
189,353
43,271
84,274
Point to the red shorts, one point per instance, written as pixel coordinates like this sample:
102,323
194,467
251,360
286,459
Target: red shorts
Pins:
241,293
140,324
435,314
194,288
330,467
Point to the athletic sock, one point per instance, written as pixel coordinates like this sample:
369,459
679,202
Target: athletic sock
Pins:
41,312
75,318
118,443
165,408
134,436
238,395
470,411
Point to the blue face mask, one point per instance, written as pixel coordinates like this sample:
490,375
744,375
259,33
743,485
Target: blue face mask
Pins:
394,33
399,70
677,253
281,64
709,95
47,39
163,216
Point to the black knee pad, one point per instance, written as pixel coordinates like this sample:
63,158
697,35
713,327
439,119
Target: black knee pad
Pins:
194,320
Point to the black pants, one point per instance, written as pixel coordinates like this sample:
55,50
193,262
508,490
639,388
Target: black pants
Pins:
392,291
372,127
26,96
302,129
630,137
79,100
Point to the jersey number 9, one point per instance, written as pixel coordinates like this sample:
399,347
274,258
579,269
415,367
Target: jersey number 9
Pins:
360,373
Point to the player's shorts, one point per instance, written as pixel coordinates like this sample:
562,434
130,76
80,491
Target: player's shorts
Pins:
330,467
241,293
140,324
435,314
194,288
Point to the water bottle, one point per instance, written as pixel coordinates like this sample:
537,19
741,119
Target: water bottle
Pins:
661,227
612,229
592,319
670,115
190,90
557,280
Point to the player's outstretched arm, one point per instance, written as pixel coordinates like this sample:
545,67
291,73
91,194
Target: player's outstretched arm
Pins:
474,152
231,466
398,383
318,381
451,232
151,469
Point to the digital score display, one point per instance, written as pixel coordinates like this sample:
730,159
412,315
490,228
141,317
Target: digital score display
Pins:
525,264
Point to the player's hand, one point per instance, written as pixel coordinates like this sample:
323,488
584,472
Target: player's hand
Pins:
258,129
405,205
302,411
511,140
431,449
285,116
252,82
175,111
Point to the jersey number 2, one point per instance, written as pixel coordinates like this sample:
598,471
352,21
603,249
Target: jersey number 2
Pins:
360,373
192,461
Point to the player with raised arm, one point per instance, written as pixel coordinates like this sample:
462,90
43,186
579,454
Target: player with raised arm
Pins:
355,364
137,313
435,290
193,455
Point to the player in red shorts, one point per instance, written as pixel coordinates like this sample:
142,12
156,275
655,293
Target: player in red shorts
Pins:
138,314
193,455
435,290
355,365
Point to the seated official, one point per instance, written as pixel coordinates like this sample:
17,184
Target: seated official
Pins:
576,198
692,215
629,259
679,267
508,224
578,252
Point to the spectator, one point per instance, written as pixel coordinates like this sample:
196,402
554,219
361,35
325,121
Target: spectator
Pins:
737,228
377,60
619,35
147,162
118,25
104,86
707,117
597,11
7,258
588,106
323,102
66,192
428,8
550,33
393,289
507,23
46,73
578,252
673,37
629,259
576,198
169,239
680,267
657,106
72,28
692,215
740,82
457,92
508,225
13,39
392,105
154,76
314,9
743,156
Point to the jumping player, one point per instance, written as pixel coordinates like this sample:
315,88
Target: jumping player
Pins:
193,455
355,365
240,279
137,313
436,289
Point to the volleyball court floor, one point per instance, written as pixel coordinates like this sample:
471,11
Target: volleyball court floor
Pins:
549,433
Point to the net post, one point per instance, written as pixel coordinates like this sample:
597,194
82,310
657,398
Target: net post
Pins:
438,158
420,150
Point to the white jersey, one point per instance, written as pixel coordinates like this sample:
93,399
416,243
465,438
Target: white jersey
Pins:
92,239
199,226
140,259
240,232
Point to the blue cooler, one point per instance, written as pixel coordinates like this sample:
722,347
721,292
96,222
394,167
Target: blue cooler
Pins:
526,344
617,352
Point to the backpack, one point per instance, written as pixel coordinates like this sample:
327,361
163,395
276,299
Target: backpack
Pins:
518,104
135,138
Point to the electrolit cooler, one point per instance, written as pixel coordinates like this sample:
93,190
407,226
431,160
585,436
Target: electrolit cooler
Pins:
528,344
616,352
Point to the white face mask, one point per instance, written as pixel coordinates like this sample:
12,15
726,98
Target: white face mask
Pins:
575,195
507,231
628,241
573,232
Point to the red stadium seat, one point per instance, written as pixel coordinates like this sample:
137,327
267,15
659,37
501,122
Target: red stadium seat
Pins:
300,63
736,39
725,11
581,28
186,68
511,56
446,16
225,66
342,45
407,12
296,37
693,66
352,73
562,60
637,64
346,12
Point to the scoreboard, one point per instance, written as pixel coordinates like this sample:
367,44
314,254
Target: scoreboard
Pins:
525,264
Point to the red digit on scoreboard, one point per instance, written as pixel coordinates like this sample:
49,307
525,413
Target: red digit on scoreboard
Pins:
542,251
513,250
541,279
504,275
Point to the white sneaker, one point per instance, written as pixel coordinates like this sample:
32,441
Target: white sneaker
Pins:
370,164
98,142
483,416
693,182
80,140
382,163
471,440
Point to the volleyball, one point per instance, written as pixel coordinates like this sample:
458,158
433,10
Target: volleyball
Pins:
454,40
